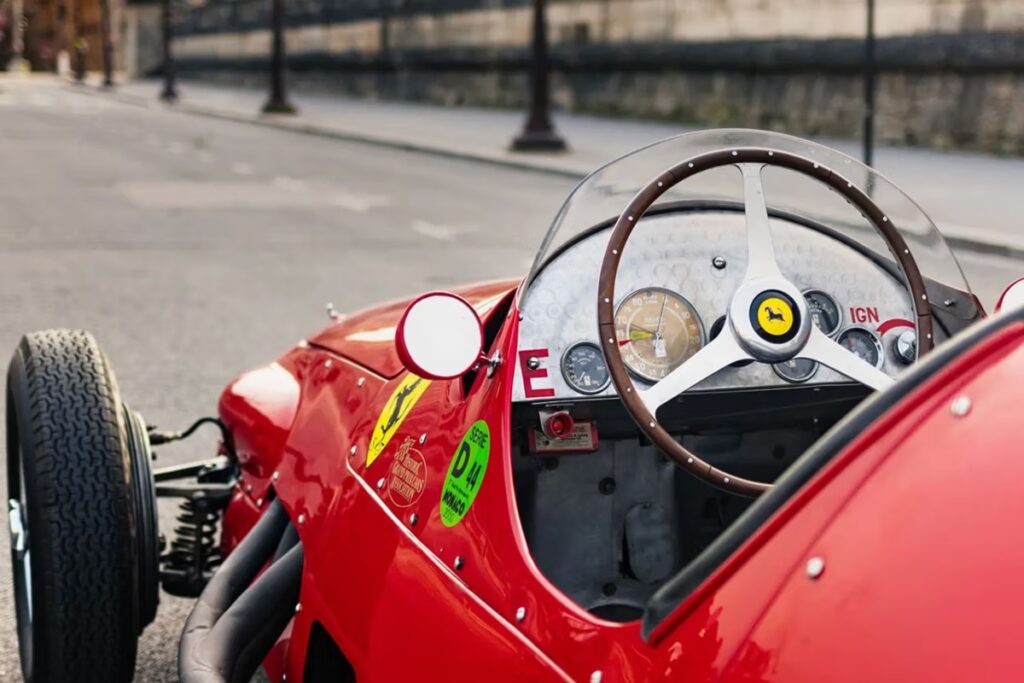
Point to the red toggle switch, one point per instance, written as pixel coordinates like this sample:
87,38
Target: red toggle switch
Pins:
558,425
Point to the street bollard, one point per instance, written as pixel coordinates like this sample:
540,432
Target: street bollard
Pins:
81,52
539,133
170,90
278,102
106,43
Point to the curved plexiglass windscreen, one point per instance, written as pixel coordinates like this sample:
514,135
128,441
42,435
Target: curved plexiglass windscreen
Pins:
602,196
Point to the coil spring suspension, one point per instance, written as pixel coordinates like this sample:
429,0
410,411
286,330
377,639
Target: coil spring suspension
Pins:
195,552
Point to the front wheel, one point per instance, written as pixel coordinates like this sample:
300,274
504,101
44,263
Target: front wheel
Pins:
74,513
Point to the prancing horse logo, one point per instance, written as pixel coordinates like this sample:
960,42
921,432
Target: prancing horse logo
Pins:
399,399
394,412
774,317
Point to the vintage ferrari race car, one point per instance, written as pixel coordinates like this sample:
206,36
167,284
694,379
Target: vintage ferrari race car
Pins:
743,420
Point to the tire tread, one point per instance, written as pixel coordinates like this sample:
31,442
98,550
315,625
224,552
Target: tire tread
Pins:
80,511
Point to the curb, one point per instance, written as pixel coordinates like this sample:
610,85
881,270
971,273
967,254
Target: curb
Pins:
957,238
272,121
981,246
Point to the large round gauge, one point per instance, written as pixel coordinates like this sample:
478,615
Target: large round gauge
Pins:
824,311
657,330
864,343
584,369
796,370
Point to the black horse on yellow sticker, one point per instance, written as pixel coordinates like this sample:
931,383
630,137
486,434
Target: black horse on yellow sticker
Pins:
401,402
775,316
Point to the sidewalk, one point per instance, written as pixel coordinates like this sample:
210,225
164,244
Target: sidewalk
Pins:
976,200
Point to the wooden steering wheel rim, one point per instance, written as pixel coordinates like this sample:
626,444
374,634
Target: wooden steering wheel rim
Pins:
647,422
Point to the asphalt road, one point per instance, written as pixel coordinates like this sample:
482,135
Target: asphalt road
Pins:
195,248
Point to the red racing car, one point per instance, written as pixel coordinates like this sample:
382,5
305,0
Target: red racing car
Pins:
742,420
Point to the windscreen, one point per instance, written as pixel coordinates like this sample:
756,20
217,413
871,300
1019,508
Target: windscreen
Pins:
603,195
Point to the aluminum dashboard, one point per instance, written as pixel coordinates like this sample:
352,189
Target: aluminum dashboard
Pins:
684,252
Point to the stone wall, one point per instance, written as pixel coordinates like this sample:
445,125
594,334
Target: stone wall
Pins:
952,71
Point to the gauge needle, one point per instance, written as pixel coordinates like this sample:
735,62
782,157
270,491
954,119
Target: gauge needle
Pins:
659,339
636,334
661,314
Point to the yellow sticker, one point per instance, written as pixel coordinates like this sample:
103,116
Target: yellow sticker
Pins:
395,410
775,316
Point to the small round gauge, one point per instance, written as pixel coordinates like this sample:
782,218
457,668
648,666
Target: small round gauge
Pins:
824,311
796,370
657,330
584,369
864,343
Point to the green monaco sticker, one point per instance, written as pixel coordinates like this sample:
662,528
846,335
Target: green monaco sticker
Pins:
465,473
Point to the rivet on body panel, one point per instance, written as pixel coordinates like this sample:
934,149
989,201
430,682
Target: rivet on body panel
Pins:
961,406
815,567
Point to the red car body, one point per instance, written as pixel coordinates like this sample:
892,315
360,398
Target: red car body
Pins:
897,561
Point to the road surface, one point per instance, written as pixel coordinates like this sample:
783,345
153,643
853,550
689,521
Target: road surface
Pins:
195,248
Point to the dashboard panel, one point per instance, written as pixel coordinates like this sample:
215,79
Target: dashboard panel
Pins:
680,269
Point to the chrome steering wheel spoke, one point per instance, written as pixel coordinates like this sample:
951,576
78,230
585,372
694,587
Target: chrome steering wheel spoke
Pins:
824,350
719,353
761,261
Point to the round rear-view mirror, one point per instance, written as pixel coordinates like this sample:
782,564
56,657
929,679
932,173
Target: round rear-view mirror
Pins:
1012,297
440,336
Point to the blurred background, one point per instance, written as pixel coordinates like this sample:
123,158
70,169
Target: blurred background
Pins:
948,70
194,181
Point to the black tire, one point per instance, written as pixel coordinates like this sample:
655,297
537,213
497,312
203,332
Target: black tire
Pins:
67,441
147,529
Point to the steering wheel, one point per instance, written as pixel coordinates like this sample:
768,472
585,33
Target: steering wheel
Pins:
768,320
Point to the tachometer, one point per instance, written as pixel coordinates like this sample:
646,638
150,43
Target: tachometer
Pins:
824,311
864,343
584,369
657,330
